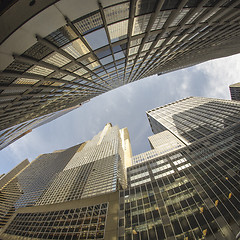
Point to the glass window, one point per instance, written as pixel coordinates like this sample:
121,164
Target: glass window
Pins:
40,70
25,81
119,55
116,13
140,24
56,59
93,65
87,24
76,48
106,60
145,6
97,39
133,50
80,71
68,78
160,20
118,31
110,70
103,52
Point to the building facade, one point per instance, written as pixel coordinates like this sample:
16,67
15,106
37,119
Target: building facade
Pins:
88,175
180,189
235,91
194,118
187,189
70,53
12,134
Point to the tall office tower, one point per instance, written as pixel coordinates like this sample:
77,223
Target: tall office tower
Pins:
98,167
194,118
24,187
9,192
71,193
10,135
235,91
81,51
191,192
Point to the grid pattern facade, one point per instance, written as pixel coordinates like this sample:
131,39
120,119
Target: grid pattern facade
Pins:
165,140
12,134
36,177
194,118
96,168
5,178
25,189
91,179
135,39
10,192
190,193
80,223
103,145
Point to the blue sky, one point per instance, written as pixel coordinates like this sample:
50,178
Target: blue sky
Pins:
125,107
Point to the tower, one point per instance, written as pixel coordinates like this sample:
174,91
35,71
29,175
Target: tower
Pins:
75,189
194,118
187,189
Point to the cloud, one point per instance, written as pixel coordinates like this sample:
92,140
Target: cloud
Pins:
221,73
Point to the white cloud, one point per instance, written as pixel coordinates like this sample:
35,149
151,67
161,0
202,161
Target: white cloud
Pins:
221,73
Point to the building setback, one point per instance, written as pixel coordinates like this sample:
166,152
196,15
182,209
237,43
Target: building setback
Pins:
180,189
70,53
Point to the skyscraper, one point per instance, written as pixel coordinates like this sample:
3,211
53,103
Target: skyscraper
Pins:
184,188
192,191
235,91
87,175
194,118
10,135
81,51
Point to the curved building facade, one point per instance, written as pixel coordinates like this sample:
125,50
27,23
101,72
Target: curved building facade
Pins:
58,54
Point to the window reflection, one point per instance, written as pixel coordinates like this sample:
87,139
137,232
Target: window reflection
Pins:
119,55
118,31
97,39
76,48
85,25
106,60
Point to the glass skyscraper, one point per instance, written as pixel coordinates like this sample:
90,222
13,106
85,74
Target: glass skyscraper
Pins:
88,175
191,192
11,134
186,187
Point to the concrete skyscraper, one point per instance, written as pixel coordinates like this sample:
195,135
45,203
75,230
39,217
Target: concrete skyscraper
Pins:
59,183
186,187
56,54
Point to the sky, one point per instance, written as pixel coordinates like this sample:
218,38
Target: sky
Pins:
126,107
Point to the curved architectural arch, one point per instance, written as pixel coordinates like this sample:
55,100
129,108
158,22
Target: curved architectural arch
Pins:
66,52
